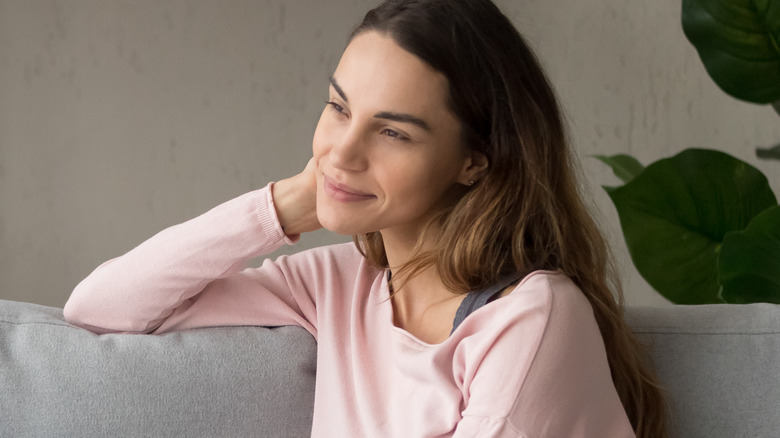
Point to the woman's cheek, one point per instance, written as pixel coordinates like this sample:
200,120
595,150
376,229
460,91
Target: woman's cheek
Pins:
319,139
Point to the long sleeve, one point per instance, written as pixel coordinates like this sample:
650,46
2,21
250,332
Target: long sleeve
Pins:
196,263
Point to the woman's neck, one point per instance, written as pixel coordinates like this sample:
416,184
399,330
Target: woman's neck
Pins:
422,305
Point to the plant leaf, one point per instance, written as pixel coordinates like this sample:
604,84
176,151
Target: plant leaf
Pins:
739,43
623,166
769,153
749,267
676,212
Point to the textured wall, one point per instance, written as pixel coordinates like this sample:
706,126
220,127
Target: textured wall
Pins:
631,83
118,118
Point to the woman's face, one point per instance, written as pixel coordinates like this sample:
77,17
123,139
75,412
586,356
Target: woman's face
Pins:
387,147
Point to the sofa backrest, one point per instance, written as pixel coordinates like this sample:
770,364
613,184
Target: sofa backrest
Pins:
720,365
58,380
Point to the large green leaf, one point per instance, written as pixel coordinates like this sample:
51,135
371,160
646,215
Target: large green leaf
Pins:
750,261
676,212
623,166
739,43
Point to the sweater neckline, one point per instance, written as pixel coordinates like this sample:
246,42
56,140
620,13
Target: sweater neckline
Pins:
413,341
403,335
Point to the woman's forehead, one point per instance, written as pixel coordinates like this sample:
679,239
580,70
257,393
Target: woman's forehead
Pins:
375,67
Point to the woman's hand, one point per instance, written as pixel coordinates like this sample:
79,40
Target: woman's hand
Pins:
295,199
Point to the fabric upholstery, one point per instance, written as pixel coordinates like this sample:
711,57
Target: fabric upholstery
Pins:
720,365
58,380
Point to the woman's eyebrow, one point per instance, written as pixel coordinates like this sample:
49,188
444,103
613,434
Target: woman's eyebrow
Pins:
403,118
387,115
338,89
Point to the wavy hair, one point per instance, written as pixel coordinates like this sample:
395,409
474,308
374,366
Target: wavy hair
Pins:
526,212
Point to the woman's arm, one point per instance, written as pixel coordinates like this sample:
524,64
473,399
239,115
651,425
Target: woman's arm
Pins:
138,291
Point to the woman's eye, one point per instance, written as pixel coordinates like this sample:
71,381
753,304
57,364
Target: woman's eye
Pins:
393,134
336,107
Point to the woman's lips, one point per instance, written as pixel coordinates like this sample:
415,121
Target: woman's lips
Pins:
341,192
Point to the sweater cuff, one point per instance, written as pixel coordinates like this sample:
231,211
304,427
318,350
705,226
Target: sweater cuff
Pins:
266,214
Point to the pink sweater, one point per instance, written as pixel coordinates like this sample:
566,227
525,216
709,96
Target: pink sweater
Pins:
531,364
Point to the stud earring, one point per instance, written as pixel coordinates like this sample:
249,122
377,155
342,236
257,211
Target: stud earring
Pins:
471,182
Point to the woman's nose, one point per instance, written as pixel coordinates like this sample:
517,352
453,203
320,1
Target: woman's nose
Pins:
348,151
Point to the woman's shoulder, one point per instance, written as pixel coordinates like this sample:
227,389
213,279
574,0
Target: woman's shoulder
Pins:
539,299
562,307
552,287
530,302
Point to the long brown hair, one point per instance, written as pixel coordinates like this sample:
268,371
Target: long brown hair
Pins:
526,212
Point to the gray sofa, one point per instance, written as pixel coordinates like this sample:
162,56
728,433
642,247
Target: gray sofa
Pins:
720,365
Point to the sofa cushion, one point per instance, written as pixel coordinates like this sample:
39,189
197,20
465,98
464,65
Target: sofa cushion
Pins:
60,380
720,365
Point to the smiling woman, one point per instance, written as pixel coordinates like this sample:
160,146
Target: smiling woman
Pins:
475,301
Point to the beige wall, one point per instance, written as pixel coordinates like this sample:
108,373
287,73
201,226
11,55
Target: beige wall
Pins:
118,118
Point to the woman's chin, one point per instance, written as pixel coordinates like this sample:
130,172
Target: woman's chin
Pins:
339,230
342,226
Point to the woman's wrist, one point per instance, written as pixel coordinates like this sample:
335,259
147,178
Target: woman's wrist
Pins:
295,202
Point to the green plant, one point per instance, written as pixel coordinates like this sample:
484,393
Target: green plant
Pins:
738,42
703,226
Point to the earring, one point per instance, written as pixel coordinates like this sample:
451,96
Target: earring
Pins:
471,182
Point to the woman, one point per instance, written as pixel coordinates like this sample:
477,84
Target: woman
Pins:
475,301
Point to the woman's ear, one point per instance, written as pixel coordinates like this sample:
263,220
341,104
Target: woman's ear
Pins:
474,168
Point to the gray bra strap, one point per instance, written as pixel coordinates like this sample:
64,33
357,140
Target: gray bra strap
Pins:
477,299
